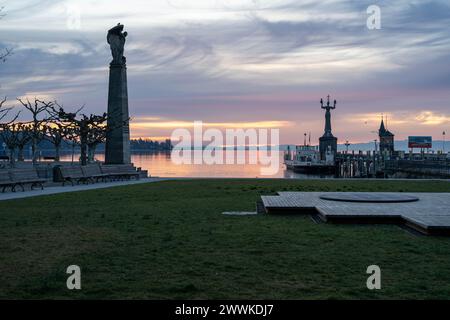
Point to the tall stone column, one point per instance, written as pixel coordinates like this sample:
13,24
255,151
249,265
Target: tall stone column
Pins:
118,134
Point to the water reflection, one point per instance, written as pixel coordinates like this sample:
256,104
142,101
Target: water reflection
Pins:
159,164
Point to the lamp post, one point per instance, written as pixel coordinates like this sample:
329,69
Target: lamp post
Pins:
443,142
347,144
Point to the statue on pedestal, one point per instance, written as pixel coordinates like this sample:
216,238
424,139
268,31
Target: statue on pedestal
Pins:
328,142
328,107
116,39
117,149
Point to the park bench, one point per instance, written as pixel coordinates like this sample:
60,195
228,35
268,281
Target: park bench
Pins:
22,177
73,174
93,172
120,171
5,180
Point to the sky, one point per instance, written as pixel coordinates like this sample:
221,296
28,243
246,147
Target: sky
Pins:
239,63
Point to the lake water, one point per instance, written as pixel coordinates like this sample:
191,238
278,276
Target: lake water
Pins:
160,164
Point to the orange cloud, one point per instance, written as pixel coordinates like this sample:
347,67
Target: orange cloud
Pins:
430,118
141,124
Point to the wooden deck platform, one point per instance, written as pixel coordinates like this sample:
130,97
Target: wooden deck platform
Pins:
429,215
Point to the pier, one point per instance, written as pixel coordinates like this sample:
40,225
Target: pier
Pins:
383,162
373,165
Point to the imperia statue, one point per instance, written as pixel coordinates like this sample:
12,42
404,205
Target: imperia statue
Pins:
116,39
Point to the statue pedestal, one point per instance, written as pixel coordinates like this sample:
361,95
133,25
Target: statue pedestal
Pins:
327,143
118,135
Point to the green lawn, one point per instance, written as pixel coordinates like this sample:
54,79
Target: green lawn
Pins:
170,240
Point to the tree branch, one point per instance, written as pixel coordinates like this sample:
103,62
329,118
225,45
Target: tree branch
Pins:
6,52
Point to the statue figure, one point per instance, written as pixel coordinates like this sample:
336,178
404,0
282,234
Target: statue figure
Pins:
328,107
116,39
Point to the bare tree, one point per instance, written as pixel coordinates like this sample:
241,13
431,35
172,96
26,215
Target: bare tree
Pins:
16,136
5,52
37,108
73,136
23,137
85,126
5,111
3,55
83,129
96,136
9,134
6,132
56,133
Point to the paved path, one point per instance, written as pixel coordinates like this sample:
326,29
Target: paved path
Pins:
69,188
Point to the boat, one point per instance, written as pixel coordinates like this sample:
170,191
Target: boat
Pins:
306,159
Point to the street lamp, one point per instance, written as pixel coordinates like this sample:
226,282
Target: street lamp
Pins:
347,144
443,142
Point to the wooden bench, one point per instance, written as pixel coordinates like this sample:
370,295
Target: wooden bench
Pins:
22,177
120,171
94,172
73,174
5,180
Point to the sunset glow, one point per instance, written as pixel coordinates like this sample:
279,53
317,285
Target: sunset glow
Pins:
246,64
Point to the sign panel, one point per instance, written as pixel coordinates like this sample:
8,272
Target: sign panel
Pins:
420,142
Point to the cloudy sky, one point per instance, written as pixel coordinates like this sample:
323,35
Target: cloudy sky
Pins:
240,63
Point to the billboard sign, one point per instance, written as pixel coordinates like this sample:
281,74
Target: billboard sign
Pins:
420,142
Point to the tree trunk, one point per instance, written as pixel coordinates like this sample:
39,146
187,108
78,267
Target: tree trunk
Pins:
91,153
20,157
73,151
34,151
57,152
83,149
12,157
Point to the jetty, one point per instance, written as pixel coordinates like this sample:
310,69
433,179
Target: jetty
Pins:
382,162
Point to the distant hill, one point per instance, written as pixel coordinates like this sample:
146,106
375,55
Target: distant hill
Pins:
135,144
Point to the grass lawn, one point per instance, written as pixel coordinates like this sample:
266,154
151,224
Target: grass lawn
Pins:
170,240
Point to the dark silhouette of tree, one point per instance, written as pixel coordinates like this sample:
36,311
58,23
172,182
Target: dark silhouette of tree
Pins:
56,133
150,145
9,134
38,110
6,51
4,113
73,139
16,136
23,137
82,129
96,136
8,131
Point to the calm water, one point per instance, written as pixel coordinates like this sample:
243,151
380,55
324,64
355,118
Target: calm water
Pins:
160,164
